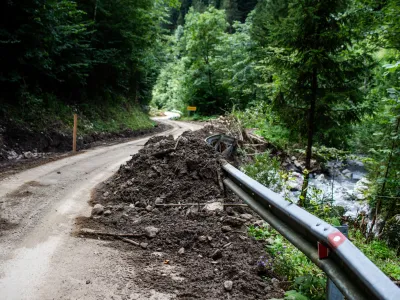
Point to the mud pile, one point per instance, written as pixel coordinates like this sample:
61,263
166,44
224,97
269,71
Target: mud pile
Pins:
182,233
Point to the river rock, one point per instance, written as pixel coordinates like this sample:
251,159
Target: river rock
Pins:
181,251
298,165
360,189
107,212
97,210
347,173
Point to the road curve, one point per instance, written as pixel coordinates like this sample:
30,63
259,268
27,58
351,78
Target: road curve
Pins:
39,259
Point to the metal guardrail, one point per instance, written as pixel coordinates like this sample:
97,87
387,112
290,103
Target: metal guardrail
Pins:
351,271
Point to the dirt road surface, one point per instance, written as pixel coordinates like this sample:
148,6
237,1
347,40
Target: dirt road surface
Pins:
39,258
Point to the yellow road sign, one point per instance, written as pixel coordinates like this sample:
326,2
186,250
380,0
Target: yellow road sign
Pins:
191,108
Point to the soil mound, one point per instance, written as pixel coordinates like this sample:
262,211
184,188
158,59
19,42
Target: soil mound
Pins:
189,237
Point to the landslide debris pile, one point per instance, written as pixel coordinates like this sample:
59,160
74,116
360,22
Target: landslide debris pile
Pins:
167,206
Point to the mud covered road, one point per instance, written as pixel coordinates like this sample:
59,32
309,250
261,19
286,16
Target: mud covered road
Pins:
39,258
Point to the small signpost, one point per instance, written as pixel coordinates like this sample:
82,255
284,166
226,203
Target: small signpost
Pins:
74,133
191,108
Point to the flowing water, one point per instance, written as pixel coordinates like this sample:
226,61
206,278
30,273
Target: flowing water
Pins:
345,185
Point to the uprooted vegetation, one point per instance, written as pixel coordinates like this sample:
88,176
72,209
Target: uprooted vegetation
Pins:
189,237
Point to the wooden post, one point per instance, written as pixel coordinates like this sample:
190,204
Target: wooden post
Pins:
74,133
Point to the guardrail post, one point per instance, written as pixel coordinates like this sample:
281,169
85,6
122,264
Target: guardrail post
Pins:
332,292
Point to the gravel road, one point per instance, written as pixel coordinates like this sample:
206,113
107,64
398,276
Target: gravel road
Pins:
39,256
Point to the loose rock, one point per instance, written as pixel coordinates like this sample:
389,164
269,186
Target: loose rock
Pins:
214,206
181,251
228,285
226,228
151,231
97,210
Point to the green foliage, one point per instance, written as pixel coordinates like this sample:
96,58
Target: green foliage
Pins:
290,262
266,170
208,68
379,253
261,116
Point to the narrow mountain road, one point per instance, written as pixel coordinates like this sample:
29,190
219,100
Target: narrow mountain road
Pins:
39,258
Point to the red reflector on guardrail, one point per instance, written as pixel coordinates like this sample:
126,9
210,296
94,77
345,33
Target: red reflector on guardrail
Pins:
336,239
323,251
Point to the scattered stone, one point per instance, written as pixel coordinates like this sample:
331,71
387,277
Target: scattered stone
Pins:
259,223
213,206
97,210
88,282
12,155
202,238
275,283
226,228
106,194
107,213
181,251
217,254
228,285
159,200
144,245
28,154
151,231
246,216
132,205
149,208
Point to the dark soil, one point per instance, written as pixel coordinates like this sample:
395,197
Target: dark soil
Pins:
215,242
47,150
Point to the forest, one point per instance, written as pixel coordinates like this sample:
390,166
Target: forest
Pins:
313,76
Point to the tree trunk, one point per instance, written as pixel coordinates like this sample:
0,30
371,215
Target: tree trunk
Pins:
379,202
310,135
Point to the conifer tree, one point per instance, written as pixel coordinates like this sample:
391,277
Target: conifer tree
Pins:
318,74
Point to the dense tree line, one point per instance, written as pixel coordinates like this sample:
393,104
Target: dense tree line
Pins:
79,52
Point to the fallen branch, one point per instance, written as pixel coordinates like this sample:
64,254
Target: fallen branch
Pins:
117,235
130,241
